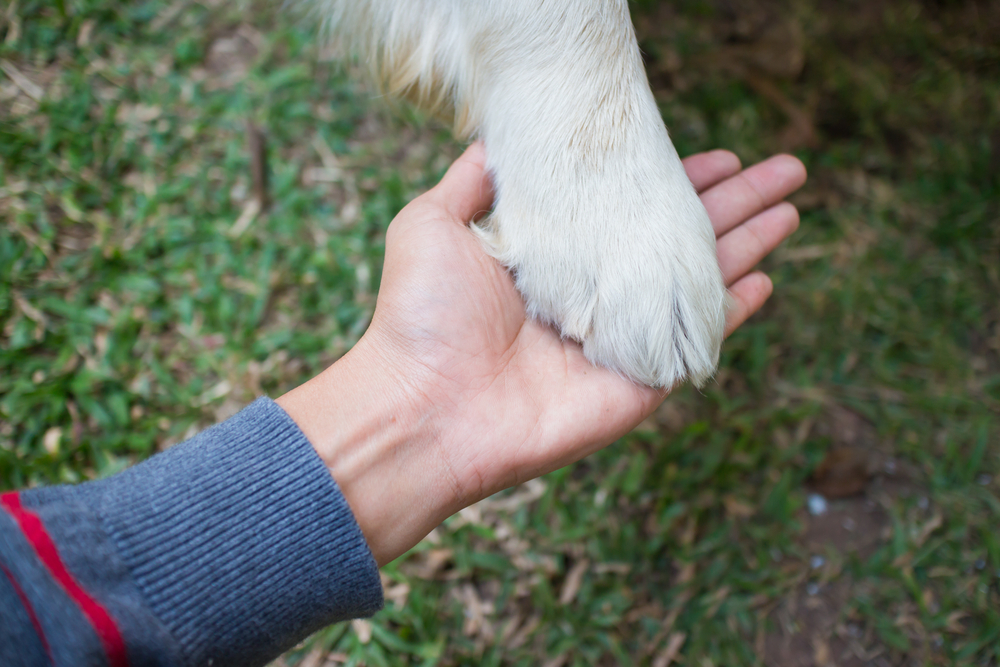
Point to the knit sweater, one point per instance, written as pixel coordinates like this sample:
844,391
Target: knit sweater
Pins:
224,550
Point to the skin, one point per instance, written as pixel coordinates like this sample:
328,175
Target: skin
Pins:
453,394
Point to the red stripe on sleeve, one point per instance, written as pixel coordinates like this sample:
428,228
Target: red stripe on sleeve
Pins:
31,612
102,622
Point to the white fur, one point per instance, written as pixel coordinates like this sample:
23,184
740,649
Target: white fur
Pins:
594,213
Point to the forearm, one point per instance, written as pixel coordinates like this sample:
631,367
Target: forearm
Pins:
232,547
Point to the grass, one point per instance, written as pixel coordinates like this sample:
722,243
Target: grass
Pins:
141,299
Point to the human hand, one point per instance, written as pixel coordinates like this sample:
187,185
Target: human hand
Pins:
453,394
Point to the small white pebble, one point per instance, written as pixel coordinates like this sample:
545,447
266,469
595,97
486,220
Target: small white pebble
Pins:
812,588
981,564
817,562
817,504
849,524
984,480
890,467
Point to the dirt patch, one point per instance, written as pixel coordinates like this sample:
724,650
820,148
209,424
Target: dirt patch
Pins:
809,626
812,625
853,526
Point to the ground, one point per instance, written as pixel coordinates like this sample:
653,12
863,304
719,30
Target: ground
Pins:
144,296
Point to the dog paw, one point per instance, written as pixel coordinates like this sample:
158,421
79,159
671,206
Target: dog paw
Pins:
619,256
594,214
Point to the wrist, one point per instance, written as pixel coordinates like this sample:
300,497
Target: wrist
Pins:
378,434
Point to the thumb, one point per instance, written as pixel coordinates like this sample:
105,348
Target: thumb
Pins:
466,190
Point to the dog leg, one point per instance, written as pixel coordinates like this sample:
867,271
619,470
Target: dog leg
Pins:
594,215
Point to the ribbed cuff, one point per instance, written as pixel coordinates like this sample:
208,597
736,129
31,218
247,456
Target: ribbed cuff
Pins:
240,540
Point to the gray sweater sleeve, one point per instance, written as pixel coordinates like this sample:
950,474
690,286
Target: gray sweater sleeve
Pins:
225,550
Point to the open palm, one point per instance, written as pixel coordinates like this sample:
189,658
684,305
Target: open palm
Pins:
513,399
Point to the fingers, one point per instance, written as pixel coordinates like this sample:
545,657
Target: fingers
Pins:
752,190
466,189
707,169
748,294
743,247
749,226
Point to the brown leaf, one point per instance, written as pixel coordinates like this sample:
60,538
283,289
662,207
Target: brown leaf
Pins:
398,594
685,573
953,623
315,658
476,612
27,86
737,509
525,632
717,598
428,564
573,581
257,146
669,654
843,473
363,629
51,440
74,415
925,531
